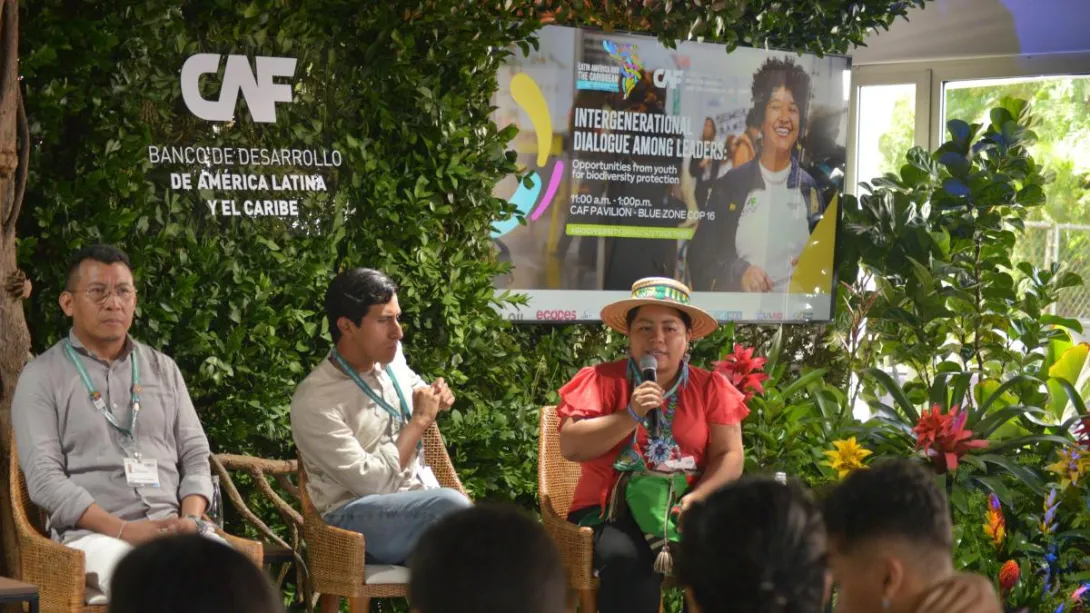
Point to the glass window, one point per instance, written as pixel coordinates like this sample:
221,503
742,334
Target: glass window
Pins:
1059,230
887,127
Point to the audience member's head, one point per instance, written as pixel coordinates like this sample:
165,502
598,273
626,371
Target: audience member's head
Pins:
755,546
187,573
890,537
487,559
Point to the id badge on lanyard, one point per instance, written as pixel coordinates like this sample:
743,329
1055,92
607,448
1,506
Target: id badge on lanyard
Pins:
141,473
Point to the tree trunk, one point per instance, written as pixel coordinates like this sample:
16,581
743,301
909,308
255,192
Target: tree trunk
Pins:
14,287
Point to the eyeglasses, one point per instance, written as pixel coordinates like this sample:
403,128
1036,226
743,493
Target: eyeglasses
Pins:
100,295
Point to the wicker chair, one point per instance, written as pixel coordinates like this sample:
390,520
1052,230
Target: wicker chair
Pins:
335,557
58,570
556,479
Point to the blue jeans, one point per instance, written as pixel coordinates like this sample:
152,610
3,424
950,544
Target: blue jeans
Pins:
391,524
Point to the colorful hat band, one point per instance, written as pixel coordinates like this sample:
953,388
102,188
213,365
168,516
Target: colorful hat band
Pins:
662,292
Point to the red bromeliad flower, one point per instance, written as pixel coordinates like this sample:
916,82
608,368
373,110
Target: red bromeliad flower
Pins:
743,371
1009,575
944,437
1082,432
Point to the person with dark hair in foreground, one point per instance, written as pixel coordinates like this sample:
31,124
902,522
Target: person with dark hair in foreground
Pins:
754,546
891,545
488,559
108,437
188,574
359,420
758,546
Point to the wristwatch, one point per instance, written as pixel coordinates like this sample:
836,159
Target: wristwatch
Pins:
203,527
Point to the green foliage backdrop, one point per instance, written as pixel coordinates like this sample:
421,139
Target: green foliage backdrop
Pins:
402,89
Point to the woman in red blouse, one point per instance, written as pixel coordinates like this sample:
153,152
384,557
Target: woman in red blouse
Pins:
690,419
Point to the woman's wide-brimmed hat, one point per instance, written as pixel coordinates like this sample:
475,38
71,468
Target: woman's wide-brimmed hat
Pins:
661,291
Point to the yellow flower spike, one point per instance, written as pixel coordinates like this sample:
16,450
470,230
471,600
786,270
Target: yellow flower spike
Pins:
995,527
1071,466
846,456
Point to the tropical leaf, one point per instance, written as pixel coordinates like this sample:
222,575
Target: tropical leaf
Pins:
893,389
1067,368
802,382
774,352
996,486
828,407
938,390
1055,350
975,416
987,426
1024,441
1023,474
1082,534
961,385
1073,395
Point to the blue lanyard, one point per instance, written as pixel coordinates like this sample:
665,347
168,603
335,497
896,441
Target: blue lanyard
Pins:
405,414
96,397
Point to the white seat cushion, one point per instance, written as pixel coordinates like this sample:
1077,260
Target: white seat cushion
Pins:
94,597
378,574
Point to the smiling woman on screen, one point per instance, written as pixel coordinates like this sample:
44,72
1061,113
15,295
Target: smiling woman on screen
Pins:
653,434
766,208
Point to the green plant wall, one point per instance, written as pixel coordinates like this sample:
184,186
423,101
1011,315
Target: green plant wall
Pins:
402,90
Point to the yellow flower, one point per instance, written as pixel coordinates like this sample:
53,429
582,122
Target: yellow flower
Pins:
995,528
1071,466
847,457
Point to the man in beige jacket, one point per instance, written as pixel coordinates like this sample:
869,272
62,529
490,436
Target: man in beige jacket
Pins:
359,419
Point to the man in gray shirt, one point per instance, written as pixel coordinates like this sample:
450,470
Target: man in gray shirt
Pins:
108,438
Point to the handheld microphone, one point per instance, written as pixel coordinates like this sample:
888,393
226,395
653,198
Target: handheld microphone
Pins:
649,367
649,372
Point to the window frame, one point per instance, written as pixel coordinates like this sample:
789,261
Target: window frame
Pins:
884,74
930,78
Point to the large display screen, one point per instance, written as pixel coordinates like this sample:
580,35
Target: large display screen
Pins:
721,170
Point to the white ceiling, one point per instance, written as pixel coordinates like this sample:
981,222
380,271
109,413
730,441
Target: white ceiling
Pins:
949,29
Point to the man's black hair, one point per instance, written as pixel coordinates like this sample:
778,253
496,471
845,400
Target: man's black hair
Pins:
631,317
106,254
776,73
352,293
755,545
892,498
487,559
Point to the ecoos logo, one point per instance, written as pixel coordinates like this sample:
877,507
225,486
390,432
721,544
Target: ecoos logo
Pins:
259,90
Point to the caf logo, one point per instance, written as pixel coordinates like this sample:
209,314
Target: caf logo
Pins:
259,90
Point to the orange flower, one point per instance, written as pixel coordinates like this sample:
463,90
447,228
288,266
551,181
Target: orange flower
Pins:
944,437
1009,575
996,525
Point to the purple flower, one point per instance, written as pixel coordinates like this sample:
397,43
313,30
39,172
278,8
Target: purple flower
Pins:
1048,521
